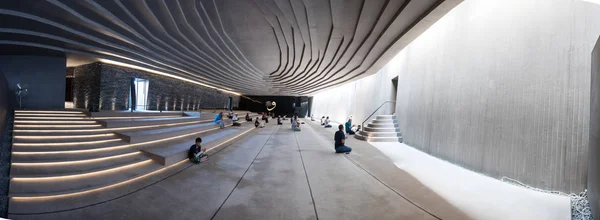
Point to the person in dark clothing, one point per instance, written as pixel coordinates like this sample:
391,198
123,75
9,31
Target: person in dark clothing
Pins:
340,140
256,122
197,153
279,121
248,117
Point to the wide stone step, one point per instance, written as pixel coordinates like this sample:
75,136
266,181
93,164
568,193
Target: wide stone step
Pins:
175,152
162,133
370,129
32,170
150,121
383,121
63,138
62,156
385,117
36,187
68,146
384,139
383,125
380,134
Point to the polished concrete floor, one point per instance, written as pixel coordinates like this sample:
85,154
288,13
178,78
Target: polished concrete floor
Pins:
275,173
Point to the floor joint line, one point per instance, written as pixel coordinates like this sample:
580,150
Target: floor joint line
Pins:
306,174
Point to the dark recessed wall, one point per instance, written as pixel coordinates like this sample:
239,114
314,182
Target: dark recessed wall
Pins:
5,107
44,77
108,87
286,105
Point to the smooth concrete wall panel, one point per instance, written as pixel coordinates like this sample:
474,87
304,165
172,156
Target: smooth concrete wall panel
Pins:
502,88
43,75
593,181
357,99
499,87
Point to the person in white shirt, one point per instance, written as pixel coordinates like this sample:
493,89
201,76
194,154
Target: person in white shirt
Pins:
327,125
235,120
323,120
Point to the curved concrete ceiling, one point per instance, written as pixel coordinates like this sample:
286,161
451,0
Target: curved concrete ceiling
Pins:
254,47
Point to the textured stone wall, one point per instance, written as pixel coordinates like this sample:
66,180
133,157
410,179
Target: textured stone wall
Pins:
86,86
111,85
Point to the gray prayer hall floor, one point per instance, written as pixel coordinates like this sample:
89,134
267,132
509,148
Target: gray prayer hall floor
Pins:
274,173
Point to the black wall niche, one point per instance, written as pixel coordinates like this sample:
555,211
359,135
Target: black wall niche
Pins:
43,76
286,105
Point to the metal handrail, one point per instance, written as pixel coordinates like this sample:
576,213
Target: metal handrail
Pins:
363,123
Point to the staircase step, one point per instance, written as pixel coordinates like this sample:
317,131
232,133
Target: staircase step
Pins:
51,157
67,146
370,129
380,134
383,125
37,187
64,138
33,170
384,139
161,133
383,121
386,117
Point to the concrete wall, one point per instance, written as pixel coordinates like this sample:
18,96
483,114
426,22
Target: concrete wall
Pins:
44,76
359,98
5,108
499,87
593,181
108,86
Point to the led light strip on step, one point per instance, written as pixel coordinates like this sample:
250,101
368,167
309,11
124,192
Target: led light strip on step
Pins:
17,115
56,122
52,112
58,126
65,136
75,176
76,161
65,143
112,129
30,198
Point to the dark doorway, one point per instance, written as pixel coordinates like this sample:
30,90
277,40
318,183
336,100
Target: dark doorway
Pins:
394,92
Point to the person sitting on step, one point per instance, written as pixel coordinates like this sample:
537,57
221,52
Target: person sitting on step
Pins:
340,141
219,120
235,120
248,117
349,127
197,154
327,125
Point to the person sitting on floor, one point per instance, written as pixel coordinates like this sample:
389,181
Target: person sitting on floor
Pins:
340,141
279,121
323,120
327,125
296,124
197,154
235,120
265,118
256,122
349,127
248,117
356,129
219,120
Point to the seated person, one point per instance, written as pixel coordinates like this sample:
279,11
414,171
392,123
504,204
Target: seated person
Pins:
248,117
340,141
197,154
327,125
256,123
230,115
323,120
349,127
265,118
356,129
279,121
235,120
297,123
312,117
219,120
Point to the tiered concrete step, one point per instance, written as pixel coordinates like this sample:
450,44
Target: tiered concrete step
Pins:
173,153
51,161
383,128
119,123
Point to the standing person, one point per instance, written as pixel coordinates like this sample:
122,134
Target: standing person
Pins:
219,120
327,125
196,154
340,141
349,127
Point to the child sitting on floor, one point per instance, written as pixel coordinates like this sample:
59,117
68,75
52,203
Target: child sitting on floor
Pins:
197,154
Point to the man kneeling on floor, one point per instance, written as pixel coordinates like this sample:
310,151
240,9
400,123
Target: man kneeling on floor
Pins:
197,154
340,140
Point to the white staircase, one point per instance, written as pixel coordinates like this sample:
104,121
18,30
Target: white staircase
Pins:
384,128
